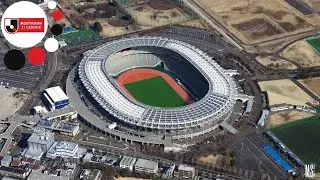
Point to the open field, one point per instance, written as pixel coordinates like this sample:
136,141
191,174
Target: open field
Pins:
145,15
237,15
275,63
279,118
11,101
284,91
303,144
313,84
314,4
155,92
210,159
195,23
302,53
128,178
256,27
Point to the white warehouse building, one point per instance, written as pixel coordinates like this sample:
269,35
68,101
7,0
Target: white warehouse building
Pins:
55,98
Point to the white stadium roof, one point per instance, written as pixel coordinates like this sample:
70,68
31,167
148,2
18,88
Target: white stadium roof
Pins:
217,102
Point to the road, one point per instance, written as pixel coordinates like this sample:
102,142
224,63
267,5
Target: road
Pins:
14,121
213,23
53,65
136,154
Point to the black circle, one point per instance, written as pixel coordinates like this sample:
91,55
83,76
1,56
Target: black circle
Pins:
56,29
14,60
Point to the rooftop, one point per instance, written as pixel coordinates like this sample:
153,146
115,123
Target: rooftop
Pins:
40,136
59,112
56,93
186,168
57,125
34,175
6,158
66,145
143,163
128,161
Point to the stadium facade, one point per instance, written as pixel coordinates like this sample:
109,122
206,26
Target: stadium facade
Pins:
213,87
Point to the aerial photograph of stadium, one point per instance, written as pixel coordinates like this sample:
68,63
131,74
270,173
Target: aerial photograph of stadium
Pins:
160,89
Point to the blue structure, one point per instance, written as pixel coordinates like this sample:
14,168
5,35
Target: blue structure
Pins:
281,162
55,98
67,29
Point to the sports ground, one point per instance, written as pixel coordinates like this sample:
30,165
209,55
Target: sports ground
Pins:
78,36
314,42
155,92
152,87
302,138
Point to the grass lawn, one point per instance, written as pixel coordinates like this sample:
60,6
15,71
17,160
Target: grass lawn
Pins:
302,138
155,92
315,43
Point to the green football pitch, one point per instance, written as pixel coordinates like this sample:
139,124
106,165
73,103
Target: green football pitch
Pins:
155,92
302,138
315,43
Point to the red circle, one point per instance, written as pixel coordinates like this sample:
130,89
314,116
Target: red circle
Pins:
36,56
57,15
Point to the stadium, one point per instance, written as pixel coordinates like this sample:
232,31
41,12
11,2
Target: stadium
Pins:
156,84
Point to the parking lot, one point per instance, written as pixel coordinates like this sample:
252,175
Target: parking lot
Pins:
25,78
250,156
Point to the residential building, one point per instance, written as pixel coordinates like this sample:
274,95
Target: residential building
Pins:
61,127
94,175
14,172
185,172
127,162
65,149
37,175
143,165
6,160
39,143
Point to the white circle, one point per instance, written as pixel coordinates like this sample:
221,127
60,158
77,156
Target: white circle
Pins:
52,4
24,9
51,45
11,26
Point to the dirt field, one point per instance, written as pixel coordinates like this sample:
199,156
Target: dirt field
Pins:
195,23
314,4
302,53
211,159
284,91
256,27
313,84
10,101
275,63
128,178
111,31
288,18
145,15
283,117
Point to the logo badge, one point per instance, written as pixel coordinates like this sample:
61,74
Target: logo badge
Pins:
309,170
24,24
11,25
